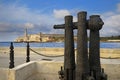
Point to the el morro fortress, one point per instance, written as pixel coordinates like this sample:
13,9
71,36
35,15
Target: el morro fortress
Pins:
40,37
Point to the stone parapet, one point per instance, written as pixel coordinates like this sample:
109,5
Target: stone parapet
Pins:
48,70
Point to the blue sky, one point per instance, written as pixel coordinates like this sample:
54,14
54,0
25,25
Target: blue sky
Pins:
41,15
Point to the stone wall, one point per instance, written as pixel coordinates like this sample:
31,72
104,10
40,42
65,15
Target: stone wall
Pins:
21,72
48,70
41,70
4,73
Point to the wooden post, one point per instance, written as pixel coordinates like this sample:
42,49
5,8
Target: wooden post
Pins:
11,56
62,26
82,66
69,56
95,24
28,53
69,47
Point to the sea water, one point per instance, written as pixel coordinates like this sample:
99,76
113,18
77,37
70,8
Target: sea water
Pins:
58,44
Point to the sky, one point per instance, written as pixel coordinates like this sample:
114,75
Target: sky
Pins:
41,15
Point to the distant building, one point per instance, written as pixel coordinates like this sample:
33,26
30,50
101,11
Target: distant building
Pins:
113,40
39,37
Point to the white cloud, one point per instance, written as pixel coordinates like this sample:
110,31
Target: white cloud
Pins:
21,14
107,14
111,24
14,18
29,25
15,13
118,7
113,20
60,14
74,19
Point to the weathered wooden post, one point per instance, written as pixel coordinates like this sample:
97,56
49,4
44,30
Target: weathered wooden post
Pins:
11,56
86,68
95,24
69,48
28,53
82,66
69,56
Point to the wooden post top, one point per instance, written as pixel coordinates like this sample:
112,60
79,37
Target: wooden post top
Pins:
62,26
94,20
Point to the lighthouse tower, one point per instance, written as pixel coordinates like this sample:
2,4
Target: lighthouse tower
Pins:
26,39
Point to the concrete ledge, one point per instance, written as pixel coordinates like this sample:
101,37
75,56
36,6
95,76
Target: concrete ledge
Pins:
112,70
4,73
24,71
48,70
21,72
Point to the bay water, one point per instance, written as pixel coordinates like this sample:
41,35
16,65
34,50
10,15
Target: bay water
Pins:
57,44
